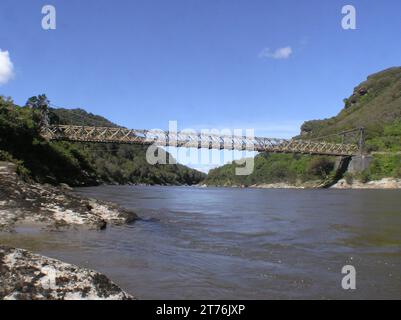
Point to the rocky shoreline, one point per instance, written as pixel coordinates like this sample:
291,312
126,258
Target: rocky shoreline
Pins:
54,207
25,275
383,184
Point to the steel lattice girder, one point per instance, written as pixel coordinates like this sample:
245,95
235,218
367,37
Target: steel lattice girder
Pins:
196,140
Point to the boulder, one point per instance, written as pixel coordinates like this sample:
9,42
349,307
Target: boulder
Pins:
28,276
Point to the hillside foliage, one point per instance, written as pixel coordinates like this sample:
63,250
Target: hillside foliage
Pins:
375,105
75,163
274,168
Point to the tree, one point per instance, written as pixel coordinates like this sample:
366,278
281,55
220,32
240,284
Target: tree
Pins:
321,166
40,103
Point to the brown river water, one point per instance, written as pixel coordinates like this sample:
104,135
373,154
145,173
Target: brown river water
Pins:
220,243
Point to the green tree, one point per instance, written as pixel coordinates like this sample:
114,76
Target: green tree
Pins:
321,166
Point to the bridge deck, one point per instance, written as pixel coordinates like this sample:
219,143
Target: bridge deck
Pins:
196,140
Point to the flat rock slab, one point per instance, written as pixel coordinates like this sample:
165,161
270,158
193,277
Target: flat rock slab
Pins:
28,276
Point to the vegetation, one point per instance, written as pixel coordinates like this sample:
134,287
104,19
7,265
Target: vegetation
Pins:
382,166
274,168
73,163
389,139
78,117
386,153
375,105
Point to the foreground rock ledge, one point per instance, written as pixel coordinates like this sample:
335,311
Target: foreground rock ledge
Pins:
28,276
32,202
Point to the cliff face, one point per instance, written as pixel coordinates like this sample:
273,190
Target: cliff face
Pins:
28,276
373,104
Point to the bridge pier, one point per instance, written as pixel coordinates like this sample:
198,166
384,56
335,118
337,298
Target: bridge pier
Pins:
359,163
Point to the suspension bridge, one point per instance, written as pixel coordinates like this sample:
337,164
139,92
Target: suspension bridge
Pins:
334,145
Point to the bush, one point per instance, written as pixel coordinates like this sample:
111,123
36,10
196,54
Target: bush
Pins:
321,166
349,178
385,165
23,172
364,176
5,156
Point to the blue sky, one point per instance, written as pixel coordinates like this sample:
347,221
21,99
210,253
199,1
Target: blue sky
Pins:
206,64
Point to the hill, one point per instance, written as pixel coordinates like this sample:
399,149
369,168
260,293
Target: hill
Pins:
74,163
122,164
275,168
78,117
375,104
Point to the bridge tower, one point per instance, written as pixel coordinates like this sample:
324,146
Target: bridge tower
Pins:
361,161
361,142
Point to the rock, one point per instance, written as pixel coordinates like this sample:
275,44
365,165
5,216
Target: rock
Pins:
28,276
362,91
53,206
281,185
385,183
65,187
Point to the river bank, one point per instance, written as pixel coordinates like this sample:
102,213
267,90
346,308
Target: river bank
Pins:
25,275
53,207
383,184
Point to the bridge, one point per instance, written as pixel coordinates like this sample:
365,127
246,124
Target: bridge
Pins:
317,146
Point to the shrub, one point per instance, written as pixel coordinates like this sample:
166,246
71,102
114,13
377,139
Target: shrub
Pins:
364,176
321,166
349,178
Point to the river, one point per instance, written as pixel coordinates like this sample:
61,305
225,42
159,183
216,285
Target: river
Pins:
222,243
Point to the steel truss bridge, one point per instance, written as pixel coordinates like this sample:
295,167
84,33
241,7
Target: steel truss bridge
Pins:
316,146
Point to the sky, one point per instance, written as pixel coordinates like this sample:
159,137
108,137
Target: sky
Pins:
237,64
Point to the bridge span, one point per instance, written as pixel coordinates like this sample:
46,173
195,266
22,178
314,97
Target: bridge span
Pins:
198,140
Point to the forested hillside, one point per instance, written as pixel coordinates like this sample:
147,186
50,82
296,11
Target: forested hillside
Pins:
275,168
74,163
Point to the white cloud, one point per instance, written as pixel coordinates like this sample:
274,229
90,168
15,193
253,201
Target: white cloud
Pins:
6,67
280,53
